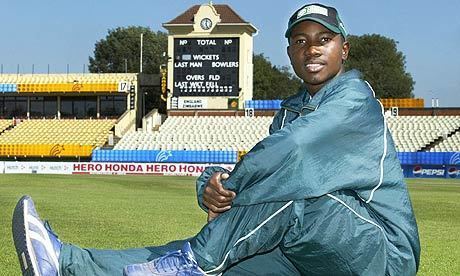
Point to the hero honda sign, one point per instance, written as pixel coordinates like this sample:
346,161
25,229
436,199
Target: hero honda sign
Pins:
206,67
117,168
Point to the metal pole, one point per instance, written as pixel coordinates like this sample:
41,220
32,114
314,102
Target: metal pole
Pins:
17,70
142,41
33,69
126,65
48,69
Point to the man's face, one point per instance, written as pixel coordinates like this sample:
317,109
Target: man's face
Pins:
316,54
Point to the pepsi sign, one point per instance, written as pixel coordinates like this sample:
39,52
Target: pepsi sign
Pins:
419,171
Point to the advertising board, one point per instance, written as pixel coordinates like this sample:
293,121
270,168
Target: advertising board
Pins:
106,168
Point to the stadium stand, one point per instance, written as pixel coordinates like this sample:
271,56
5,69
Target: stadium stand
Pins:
48,83
184,138
387,103
191,139
421,133
224,138
403,103
410,133
450,144
55,137
263,104
169,156
200,133
52,115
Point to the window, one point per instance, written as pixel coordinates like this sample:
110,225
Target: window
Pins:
50,106
43,107
15,107
78,107
113,106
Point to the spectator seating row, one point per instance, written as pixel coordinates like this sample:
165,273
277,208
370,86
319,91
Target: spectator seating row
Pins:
387,103
263,104
45,150
412,133
64,82
170,156
155,156
35,137
428,158
200,133
403,103
451,143
8,87
4,124
66,78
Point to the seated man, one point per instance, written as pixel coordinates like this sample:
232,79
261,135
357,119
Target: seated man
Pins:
323,194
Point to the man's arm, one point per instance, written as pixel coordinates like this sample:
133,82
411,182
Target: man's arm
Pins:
338,146
211,194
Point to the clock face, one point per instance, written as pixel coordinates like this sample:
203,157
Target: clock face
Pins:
206,23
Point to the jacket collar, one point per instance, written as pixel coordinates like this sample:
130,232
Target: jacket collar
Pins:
302,100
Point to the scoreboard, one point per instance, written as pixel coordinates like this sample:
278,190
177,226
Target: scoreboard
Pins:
206,67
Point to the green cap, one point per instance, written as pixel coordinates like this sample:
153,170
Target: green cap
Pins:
324,15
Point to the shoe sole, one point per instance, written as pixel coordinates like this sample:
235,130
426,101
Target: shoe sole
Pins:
22,240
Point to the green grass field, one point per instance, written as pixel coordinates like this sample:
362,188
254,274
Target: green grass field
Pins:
134,211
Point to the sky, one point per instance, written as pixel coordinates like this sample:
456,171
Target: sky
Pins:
35,34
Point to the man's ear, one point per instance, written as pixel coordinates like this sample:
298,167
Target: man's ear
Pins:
345,50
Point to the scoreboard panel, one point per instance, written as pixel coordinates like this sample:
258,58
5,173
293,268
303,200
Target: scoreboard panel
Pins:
206,67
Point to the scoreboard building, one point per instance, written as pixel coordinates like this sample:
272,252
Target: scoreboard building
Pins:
210,49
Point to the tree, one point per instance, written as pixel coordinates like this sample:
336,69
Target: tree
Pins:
382,65
121,47
272,82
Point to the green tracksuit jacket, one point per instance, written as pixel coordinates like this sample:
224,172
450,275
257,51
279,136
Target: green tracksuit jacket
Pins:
334,159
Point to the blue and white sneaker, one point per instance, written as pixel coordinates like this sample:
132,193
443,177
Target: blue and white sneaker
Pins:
38,248
181,263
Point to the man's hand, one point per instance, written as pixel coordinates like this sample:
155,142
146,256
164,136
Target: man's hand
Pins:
216,197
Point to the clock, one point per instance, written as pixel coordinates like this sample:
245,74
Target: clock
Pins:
206,23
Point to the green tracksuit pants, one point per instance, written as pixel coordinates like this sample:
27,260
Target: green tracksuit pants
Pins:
279,238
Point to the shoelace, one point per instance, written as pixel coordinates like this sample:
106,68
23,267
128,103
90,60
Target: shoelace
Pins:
173,261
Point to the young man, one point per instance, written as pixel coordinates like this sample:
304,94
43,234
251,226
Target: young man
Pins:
322,195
